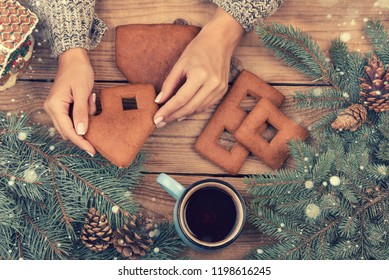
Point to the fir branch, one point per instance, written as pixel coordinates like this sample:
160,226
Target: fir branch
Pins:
96,191
322,127
270,223
265,182
379,39
337,196
383,124
167,245
320,98
20,246
383,151
349,67
301,153
54,185
65,218
296,49
51,249
313,237
297,241
8,224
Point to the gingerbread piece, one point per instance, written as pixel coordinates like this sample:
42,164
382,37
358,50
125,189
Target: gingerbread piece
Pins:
145,53
229,116
274,153
119,134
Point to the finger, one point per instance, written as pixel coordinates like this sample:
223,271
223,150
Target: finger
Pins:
48,111
211,92
59,130
170,84
214,98
92,104
66,126
209,102
184,94
191,107
80,109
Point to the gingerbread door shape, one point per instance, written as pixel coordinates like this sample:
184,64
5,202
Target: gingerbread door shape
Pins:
229,116
145,53
274,153
119,134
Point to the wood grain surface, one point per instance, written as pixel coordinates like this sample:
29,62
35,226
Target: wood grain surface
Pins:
170,149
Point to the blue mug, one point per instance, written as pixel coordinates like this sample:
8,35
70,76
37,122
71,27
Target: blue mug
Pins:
208,215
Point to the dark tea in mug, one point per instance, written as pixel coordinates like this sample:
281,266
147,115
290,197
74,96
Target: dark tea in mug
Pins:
211,214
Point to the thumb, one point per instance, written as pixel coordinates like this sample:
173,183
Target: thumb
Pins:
171,84
80,111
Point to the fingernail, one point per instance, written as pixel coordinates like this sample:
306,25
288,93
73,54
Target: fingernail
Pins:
161,124
181,119
159,97
89,153
158,120
81,129
94,97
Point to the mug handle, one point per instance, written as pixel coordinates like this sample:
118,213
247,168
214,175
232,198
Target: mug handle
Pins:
170,185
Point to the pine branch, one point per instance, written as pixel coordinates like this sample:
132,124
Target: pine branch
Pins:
65,218
383,151
323,126
383,124
296,49
55,184
8,223
379,39
167,245
48,247
349,67
334,204
320,98
293,244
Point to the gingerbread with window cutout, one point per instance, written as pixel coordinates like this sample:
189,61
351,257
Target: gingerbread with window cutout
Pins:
229,116
119,134
276,151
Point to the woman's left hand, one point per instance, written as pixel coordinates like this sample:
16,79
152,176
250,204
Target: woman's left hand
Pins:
202,70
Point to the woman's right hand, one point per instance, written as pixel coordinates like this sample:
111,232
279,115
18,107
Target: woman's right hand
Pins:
72,85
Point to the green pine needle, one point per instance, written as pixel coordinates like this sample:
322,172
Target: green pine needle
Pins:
296,49
47,188
379,38
321,98
349,67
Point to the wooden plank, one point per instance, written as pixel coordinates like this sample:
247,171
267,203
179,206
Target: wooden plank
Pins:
323,20
159,205
170,148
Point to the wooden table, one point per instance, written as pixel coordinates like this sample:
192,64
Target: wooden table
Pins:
171,148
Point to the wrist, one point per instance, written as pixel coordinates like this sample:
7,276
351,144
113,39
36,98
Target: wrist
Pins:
78,55
224,28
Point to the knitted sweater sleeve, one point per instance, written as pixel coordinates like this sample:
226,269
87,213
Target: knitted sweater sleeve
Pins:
249,12
70,24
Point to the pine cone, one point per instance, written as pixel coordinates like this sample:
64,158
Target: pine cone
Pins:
375,89
96,233
132,240
350,118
